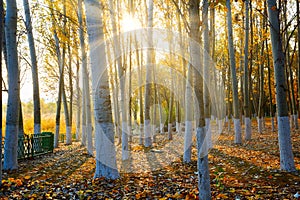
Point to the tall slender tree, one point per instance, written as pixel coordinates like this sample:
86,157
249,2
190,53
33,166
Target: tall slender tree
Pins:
147,129
236,113
248,131
202,157
122,77
34,70
206,71
13,104
60,60
85,82
106,165
284,137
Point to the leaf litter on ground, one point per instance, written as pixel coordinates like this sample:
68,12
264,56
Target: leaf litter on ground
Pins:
247,171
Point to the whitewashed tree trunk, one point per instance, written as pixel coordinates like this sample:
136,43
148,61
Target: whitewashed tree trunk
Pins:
60,59
13,104
237,124
67,119
202,148
106,165
206,72
34,70
147,97
284,137
188,131
64,96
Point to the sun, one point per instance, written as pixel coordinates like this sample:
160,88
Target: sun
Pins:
129,23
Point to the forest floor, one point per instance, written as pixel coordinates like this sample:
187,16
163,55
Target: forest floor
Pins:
248,171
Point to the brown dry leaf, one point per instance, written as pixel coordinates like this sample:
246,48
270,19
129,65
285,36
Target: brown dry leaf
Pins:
222,196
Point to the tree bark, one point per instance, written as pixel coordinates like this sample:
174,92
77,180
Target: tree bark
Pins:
60,59
122,79
206,72
34,70
106,165
147,129
85,81
13,104
202,149
248,131
284,137
236,118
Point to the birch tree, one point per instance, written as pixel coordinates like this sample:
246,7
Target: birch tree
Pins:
284,137
106,165
13,104
34,70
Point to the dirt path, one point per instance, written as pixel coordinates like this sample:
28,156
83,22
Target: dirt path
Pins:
250,171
